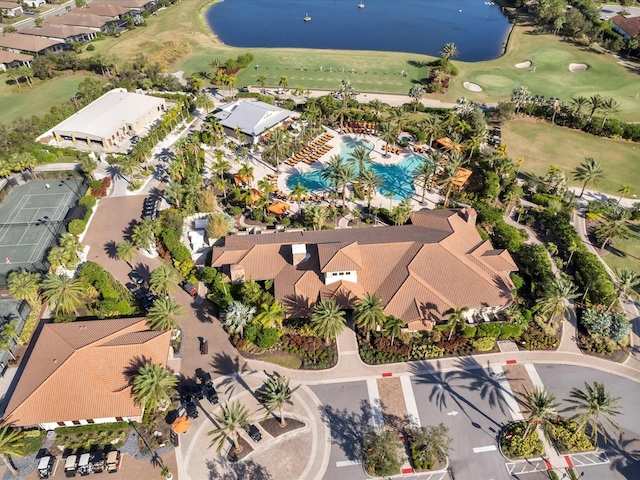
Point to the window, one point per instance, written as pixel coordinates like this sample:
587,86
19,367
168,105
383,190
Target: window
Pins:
75,422
89,421
119,419
61,424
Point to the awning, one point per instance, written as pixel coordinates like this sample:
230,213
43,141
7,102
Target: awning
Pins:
279,208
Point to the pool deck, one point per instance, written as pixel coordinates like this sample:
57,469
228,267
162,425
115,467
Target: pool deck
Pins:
378,155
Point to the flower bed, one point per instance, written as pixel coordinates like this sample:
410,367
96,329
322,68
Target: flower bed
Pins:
515,447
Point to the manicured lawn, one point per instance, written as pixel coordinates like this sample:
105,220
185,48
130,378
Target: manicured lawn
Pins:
626,253
542,145
283,359
37,100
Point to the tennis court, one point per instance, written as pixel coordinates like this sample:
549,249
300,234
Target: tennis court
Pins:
31,218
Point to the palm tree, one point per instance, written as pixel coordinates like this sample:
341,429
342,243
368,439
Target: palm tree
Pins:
577,104
345,176
152,386
162,314
346,90
204,101
431,126
64,292
589,171
143,235
230,419
11,443
555,300
284,83
327,319
10,330
262,80
423,175
542,408
624,190
447,180
595,102
331,172
389,134
520,97
449,50
128,166
24,285
370,182
593,405
416,92
376,106
298,192
360,155
271,315
628,279
393,327
125,250
610,229
275,394
163,280
238,315
278,145
456,317
316,215
369,313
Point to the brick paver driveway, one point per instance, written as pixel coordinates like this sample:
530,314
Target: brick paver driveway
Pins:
114,217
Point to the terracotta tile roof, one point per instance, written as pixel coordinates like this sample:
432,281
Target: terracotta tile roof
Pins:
123,3
345,294
419,270
80,370
28,43
339,257
107,10
630,25
80,19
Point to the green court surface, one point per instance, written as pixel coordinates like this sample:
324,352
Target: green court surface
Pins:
31,218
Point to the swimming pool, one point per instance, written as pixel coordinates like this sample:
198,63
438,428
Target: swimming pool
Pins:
397,179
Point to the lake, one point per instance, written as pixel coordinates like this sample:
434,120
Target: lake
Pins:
415,26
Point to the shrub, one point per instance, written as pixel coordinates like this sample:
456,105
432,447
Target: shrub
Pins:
536,339
516,447
252,331
77,226
268,337
568,437
420,351
510,330
382,454
517,280
456,342
91,47
613,325
506,236
489,329
483,344
469,331
428,445
88,202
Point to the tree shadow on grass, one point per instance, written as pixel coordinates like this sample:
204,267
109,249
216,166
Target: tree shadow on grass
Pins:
225,470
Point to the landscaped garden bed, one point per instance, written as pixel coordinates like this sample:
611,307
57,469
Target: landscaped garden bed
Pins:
234,455
273,427
515,446
84,437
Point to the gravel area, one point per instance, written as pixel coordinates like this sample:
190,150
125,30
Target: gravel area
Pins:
394,409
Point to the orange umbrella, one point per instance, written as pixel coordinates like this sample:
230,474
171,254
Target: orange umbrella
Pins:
279,207
180,425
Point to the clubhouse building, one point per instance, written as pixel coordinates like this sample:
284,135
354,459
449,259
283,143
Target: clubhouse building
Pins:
419,270
252,119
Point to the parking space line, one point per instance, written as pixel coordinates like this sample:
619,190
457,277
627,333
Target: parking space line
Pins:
377,420
507,393
533,375
410,401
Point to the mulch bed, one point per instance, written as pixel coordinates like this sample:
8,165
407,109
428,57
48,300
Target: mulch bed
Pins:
234,456
273,428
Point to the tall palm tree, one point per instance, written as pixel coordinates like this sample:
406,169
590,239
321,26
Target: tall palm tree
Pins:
542,408
128,166
10,330
346,175
370,182
431,126
275,393
298,192
423,176
361,155
164,280
610,229
152,386
262,81
393,327
369,313
346,90
415,93
389,133
11,443
278,145
125,250
555,300
204,101
24,285
271,315
624,190
447,180
520,97
595,406
317,215
628,279
284,83
331,172
589,171
456,317
327,319
163,314
577,104
449,50
63,292
230,419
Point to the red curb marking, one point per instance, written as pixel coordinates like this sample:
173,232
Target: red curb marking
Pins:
548,463
568,460
407,470
511,362
387,374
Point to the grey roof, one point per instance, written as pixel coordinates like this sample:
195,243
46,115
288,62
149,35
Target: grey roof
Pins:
28,43
111,111
53,30
253,118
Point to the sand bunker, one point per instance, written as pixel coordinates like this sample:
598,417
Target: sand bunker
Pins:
578,67
472,87
526,64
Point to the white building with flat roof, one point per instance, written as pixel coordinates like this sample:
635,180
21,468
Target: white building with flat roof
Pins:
110,118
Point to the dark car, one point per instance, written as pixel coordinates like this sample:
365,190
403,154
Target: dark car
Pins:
135,277
208,389
254,433
97,460
204,346
190,407
244,89
189,288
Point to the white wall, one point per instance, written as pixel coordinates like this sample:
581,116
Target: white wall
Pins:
333,277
